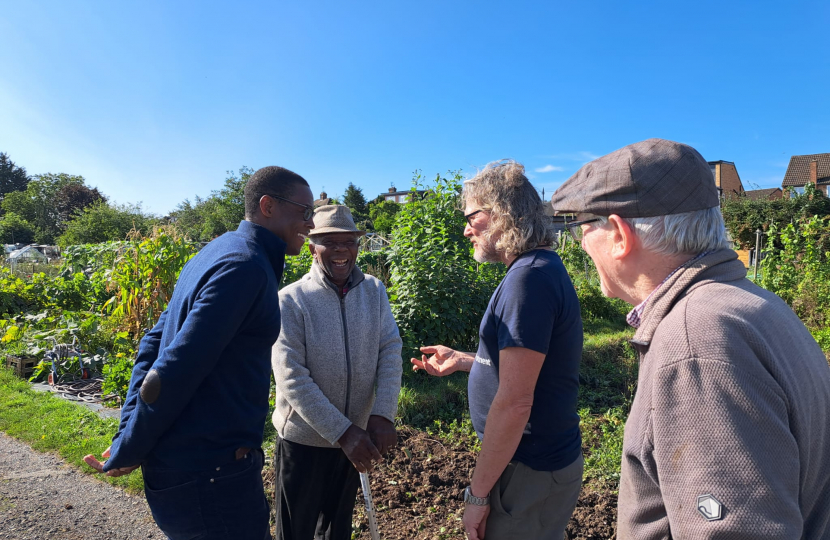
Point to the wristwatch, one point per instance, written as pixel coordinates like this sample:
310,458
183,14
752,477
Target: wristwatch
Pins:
469,498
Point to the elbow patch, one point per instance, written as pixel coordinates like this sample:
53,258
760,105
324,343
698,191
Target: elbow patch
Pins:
151,387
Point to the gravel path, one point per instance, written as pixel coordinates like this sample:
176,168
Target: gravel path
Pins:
42,497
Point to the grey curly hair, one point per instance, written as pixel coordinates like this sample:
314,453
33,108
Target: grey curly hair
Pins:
518,222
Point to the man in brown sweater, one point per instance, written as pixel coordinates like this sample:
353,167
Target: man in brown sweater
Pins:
729,433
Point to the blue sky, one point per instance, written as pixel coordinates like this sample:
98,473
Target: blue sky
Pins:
154,101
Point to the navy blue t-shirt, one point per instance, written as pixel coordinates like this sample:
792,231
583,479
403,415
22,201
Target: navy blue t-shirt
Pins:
534,307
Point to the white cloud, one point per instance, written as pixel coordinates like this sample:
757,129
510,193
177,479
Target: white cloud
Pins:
549,168
583,157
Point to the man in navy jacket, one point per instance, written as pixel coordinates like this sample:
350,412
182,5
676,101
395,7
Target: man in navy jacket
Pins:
198,397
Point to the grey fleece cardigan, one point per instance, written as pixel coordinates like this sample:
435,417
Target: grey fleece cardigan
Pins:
732,402
337,361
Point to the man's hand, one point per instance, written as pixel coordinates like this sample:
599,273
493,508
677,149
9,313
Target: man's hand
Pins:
382,432
475,520
358,447
442,362
93,462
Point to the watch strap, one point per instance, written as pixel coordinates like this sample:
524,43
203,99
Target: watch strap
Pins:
469,498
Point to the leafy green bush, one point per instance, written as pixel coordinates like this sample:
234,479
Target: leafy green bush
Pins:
743,216
439,292
594,305
90,258
376,263
297,267
796,267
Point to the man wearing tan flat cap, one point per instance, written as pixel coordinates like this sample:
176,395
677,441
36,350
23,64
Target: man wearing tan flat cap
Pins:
337,366
728,434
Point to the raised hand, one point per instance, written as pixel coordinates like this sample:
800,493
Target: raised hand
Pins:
443,360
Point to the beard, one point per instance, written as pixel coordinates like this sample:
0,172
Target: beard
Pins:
486,252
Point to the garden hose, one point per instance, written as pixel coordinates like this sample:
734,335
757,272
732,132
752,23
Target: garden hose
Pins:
88,390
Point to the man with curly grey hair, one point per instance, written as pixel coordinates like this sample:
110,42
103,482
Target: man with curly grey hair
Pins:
524,378
728,432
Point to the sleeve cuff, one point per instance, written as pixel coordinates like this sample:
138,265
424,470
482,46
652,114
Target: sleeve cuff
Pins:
333,436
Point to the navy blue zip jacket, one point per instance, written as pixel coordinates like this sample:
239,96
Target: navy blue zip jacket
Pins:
211,349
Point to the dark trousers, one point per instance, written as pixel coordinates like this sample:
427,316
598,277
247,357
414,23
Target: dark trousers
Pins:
315,492
222,503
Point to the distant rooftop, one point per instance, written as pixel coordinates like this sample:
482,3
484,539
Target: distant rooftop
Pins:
798,172
761,194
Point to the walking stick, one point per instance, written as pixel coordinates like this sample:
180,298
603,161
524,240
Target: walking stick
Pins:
370,508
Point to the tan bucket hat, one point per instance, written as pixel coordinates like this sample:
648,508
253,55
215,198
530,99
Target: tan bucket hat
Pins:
334,218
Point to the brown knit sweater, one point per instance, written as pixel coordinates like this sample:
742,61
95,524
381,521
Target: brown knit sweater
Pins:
732,403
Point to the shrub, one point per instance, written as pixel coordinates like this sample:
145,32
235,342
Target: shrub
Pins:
376,263
744,216
796,267
297,267
439,292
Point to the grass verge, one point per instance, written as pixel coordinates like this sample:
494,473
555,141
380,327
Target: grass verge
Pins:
51,424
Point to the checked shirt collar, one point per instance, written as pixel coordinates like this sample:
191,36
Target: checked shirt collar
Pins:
635,316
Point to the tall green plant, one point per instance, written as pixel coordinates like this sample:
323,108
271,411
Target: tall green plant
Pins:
439,292
796,267
143,278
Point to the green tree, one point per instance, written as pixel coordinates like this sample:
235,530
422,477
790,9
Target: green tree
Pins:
221,211
37,204
354,199
102,222
382,214
200,220
15,229
231,199
12,177
73,198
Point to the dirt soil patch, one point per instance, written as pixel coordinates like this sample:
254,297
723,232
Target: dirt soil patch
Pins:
418,494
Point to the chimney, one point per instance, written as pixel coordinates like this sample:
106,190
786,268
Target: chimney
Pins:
814,172
392,189
324,195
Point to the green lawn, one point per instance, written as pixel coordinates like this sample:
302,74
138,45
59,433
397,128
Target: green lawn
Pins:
51,424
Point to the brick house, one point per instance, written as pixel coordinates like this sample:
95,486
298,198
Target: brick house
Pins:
727,179
810,168
769,194
399,197
324,200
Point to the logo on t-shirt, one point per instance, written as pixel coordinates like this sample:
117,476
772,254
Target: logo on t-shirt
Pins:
485,361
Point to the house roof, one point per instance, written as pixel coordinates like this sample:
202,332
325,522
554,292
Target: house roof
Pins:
394,191
798,172
760,194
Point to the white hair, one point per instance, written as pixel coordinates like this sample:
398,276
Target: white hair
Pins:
688,233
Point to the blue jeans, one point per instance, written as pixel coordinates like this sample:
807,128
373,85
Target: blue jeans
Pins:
223,503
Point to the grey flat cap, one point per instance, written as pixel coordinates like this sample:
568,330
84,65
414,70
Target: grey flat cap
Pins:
651,178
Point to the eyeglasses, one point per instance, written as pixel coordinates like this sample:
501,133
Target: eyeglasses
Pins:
471,214
309,210
331,244
575,228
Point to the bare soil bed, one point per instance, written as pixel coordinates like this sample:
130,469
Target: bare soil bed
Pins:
418,494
